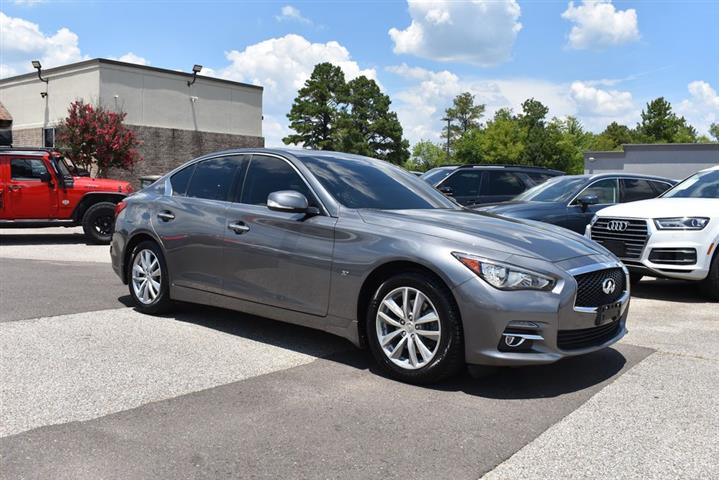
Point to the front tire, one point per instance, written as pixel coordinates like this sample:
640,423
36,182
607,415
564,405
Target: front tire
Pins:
148,279
710,285
414,329
98,223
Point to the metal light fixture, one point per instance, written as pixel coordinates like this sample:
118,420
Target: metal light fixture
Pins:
195,70
36,65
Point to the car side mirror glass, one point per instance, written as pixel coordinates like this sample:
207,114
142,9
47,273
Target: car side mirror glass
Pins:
288,201
45,177
587,200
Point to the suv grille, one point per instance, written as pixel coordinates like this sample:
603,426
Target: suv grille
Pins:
589,287
624,238
587,337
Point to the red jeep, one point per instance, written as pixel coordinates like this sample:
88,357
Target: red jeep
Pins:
40,188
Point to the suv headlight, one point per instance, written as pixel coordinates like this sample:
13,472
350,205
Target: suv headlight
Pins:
504,276
681,223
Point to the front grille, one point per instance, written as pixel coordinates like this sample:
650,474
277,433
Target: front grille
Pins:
590,291
673,256
627,243
587,337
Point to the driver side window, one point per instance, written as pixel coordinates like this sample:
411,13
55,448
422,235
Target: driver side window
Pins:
607,191
269,174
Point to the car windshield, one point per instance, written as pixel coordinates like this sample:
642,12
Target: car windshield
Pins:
62,166
700,185
436,175
361,182
558,189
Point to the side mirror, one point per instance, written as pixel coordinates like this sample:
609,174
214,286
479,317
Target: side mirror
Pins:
45,177
586,200
288,201
447,191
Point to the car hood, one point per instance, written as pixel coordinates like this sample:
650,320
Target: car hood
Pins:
664,208
101,185
519,209
470,228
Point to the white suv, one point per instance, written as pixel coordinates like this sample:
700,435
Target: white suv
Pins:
673,236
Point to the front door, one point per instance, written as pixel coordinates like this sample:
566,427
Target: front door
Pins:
191,221
25,195
277,258
578,217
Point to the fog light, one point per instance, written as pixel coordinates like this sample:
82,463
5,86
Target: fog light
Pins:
512,341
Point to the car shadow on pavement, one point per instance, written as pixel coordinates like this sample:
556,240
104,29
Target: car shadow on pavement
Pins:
669,290
567,376
7,239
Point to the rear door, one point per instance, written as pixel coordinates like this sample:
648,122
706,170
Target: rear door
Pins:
277,258
635,189
463,185
191,221
25,195
500,186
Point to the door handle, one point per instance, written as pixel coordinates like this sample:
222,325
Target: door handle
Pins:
14,188
166,216
239,228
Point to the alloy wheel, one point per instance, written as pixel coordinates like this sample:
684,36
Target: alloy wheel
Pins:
146,276
408,328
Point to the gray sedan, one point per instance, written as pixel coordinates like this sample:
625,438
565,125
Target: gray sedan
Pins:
365,250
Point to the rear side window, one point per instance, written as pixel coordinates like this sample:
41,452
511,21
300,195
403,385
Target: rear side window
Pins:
181,180
502,183
635,189
539,177
464,183
269,174
660,187
213,178
27,168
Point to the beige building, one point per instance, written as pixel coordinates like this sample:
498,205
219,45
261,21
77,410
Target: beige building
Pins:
175,121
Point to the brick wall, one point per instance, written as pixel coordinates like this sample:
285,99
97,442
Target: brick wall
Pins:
27,137
163,149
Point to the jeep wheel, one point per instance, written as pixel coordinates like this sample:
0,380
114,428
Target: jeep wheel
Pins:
414,329
148,279
98,222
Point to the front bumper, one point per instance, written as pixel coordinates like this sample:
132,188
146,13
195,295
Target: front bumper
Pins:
488,314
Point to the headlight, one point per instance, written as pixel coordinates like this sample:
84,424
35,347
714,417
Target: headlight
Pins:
504,276
681,223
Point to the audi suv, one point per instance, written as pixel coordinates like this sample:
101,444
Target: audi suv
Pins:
363,249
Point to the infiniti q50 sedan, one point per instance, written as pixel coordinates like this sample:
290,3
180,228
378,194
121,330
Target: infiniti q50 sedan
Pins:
365,250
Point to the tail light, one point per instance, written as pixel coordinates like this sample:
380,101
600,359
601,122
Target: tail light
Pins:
119,207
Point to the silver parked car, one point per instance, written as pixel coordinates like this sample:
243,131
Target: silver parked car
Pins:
365,250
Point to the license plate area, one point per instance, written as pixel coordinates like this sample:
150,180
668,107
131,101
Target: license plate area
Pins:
608,313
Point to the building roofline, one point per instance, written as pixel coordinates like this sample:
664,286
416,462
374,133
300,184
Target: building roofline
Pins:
107,61
655,146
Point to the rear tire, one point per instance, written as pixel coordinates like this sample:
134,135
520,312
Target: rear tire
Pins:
98,223
710,285
425,350
148,279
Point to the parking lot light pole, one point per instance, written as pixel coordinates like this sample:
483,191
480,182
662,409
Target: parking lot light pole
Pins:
449,125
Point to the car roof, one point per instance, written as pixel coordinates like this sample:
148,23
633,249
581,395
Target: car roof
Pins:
38,151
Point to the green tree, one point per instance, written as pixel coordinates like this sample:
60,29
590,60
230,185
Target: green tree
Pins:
368,127
538,148
502,141
714,131
426,155
317,109
464,116
661,125
618,135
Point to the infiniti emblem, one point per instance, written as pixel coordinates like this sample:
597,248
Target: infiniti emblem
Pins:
617,225
608,286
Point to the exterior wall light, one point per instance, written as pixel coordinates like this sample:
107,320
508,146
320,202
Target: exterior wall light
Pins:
36,65
195,70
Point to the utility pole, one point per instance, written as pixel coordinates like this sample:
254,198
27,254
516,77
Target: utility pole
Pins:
449,125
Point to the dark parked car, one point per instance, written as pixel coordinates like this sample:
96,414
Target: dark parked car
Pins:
365,250
477,184
571,201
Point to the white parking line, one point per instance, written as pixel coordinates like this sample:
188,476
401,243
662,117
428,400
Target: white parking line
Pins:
82,366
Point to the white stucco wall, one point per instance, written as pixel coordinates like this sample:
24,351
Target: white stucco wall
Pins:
149,97
29,110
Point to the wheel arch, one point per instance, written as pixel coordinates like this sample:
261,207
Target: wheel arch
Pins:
381,273
133,242
91,198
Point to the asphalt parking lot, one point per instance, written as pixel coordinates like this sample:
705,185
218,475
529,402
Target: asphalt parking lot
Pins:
92,389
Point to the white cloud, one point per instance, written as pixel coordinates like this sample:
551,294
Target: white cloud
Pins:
23,41
595,101
290,13
281,66
598,24
701,109
480,32
130,57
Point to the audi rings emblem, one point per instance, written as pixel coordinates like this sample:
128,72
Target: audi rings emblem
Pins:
617,225
609,285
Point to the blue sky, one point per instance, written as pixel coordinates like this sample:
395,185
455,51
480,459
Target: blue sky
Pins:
598,60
